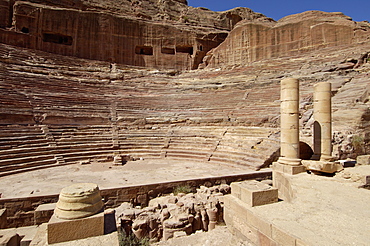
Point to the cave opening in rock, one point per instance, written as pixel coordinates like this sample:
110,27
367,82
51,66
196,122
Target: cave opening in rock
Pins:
57,38
25,30
144,50
166,50
185,49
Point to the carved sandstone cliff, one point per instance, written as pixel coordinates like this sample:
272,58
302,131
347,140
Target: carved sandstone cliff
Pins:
161,34
312,30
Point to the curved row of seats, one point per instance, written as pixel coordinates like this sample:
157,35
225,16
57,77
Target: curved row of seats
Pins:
25,148
49,103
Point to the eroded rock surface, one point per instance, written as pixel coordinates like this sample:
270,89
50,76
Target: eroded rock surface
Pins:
160,34
254,40
174,215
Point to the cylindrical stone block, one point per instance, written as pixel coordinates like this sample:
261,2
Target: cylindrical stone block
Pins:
291,150
289,136
289,147
322,115
79,201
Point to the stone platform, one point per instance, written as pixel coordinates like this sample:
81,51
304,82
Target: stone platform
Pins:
324,211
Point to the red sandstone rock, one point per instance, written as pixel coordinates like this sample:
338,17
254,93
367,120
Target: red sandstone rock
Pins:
160,34
255,40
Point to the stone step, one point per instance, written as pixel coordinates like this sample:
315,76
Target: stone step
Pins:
27,159
24,150
30,168
13,169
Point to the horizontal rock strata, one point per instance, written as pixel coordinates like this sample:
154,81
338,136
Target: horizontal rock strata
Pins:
312,30
159,34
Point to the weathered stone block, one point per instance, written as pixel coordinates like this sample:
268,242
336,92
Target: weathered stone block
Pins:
26,233
10,239
322,166
110,224
288,169
3,220
235,189
259,223
282,182
281,237
236,206
264,240
363,160
366,180
255,193
299,242
235,219
43,213
60,230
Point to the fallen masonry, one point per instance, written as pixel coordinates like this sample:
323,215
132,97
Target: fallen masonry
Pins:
174,214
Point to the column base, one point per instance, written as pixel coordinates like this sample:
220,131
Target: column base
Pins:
289,161
288,169
327,158
322,166
60,230
323,158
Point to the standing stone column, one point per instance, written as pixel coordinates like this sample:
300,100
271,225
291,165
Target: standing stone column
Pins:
288,162
289,143
322,125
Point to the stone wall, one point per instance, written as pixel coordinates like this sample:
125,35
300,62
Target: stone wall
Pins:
252,41
20,211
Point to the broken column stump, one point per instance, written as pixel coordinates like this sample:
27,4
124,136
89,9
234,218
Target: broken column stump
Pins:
78,214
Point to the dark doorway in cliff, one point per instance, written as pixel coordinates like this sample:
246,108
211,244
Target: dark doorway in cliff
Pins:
57,38
234,19
144,50
166,50
25,30
185,49
317,139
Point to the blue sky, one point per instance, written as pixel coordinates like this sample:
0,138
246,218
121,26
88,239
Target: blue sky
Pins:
359,10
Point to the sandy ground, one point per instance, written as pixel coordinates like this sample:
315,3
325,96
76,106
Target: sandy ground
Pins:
219,236
52,180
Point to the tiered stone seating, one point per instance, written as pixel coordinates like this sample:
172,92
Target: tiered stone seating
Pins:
247,146
241,146
84,112
24,148
142,143
195,143
82,142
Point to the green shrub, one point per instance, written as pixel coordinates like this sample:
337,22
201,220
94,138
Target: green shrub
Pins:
182,189
358,143
131,240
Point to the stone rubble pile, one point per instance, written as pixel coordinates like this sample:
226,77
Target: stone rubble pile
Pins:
174,215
